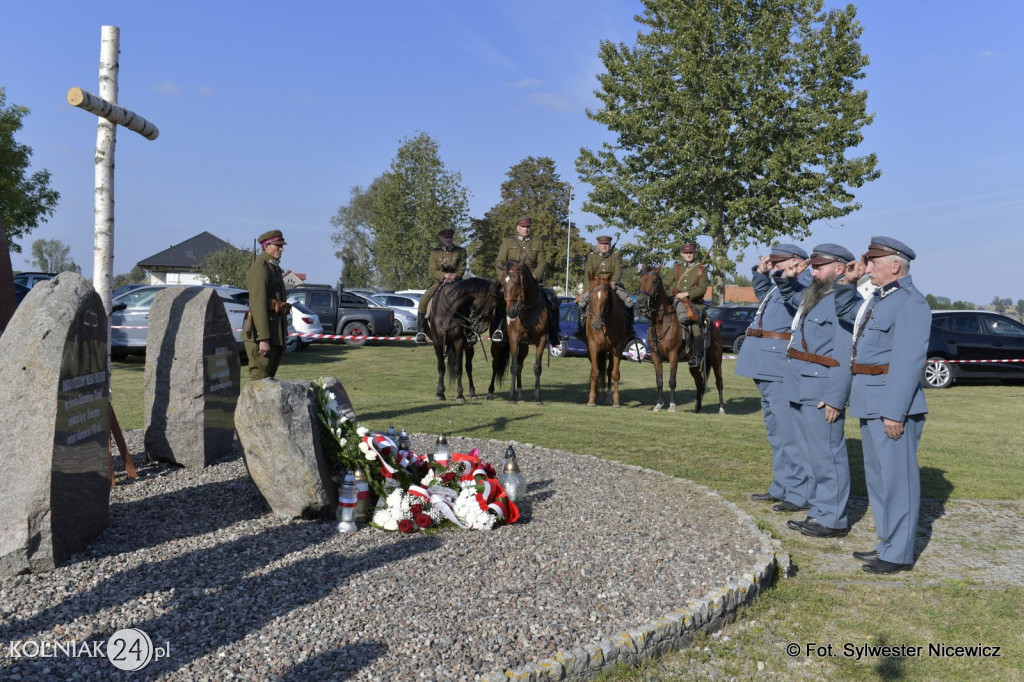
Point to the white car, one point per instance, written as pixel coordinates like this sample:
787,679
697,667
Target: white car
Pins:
129,317
304,321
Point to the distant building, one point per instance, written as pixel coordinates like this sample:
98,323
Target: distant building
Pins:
181,263
294,279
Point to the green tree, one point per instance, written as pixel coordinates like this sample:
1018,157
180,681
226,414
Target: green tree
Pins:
227,266
356,270
134,276
1020,308
396,219
1001,305
24,200
532,189
53,255
733,120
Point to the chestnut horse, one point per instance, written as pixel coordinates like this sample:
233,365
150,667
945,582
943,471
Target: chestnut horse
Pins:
606,337
665,336
458,312
526,322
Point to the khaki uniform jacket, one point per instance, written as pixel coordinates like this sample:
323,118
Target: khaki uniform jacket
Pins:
529,251
265,281
597,264
692,279
443,262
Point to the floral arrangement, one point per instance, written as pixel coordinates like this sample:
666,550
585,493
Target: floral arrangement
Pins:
414,492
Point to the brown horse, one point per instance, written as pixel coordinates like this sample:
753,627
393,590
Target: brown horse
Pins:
665,336
527,314
606,337
458,312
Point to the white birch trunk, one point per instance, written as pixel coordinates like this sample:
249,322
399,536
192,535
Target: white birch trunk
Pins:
77,97
106,134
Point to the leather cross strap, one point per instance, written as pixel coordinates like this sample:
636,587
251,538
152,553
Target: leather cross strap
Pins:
812,357
873,370
764,333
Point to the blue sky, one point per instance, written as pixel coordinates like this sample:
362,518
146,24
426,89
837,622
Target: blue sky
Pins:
270,112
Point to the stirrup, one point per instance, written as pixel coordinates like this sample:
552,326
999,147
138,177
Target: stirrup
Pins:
497,336
472,337
421,337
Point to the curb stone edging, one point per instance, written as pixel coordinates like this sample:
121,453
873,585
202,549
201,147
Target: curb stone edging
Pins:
674,630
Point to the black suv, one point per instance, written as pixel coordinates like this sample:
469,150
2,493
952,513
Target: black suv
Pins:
732,322
980,343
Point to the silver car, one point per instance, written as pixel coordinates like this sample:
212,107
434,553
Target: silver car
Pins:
129,317
406,307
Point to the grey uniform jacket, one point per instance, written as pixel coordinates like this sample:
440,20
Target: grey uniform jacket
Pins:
762,358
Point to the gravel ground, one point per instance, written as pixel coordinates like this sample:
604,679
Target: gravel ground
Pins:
194,559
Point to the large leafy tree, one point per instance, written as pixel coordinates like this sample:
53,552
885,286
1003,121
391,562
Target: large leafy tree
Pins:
134,276
395,221
25,200
53,255
227,266
532,189
733,119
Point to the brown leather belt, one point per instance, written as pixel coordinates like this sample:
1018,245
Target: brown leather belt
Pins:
812,357
781,336
868,369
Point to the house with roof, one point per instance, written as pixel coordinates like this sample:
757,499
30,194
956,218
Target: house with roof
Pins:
182,263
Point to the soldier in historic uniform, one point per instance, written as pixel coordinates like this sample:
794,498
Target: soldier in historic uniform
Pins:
447,264
524,248
763,359
890,345
606,261
266,326
688,281
817,385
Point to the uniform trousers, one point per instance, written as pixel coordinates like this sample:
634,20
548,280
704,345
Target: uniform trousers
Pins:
789,479
894,486
262,366
823,456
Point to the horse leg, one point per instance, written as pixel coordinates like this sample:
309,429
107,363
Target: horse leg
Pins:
616,361
439,352
716,364
595,373
698,380
659,379
673,365
538,365
469,369
459,358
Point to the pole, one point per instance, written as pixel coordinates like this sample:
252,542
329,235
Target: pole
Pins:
103,238
568,237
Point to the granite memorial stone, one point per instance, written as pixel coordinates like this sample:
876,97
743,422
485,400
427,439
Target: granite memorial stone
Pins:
54,426
193,376
280,436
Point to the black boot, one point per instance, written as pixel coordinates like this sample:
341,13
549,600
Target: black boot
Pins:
421,322
697,358
581,319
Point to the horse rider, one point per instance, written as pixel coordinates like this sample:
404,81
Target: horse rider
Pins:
688,282
606,261
447,264
524,248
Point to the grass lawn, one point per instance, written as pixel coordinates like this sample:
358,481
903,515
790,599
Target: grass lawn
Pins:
971,449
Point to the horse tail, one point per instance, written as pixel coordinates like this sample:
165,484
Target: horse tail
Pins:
501,354
451,355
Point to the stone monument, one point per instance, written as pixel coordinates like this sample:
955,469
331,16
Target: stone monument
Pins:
54,426
280,435
193,375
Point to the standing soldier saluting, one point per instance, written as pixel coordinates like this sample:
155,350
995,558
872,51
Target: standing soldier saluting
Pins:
266,325
606,261
447,264
524,248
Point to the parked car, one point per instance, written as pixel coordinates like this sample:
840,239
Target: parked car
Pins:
20,291
732,322
345,312
124,288
29,279
568,316
303,321
129,317
973,335
406,307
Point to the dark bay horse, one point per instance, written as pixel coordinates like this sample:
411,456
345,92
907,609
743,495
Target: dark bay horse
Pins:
527,313
605,326
666,339
457,313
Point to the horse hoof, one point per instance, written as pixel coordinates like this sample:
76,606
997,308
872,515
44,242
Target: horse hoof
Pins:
656,408
671,408
460,399
490,396
438,397
721,410
591,404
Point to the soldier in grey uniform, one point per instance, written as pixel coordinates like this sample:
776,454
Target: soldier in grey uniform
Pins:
890,346
606,261
817,385
525,248
763,359
266,326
